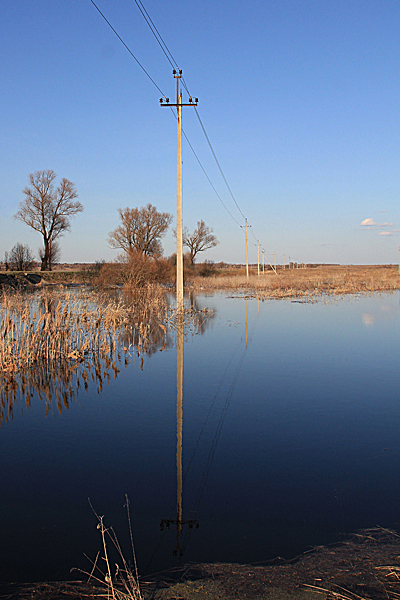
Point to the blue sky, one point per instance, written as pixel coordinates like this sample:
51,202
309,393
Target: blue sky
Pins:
299,99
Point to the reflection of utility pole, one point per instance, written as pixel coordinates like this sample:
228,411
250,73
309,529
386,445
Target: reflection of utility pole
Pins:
258,258
179,429
179,221
179,424
247,318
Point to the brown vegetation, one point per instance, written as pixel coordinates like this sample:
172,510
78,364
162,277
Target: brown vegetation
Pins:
53,343
305,283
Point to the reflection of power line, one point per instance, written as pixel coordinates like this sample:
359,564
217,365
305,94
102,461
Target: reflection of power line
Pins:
209,413
193,522
214,444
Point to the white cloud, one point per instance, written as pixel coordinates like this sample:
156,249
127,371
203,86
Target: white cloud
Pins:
368,223
385,225
385,233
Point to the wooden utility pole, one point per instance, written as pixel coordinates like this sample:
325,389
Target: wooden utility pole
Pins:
284,255
179,219
263,253
247,252
274,261
258,258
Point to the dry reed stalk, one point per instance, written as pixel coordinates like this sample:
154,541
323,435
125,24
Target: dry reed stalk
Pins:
46,340
122,584
331,594
50,342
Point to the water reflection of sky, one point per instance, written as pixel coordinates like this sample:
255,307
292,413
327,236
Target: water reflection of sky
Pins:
286,443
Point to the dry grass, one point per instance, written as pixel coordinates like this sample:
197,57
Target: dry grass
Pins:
307,283
55,342
117,582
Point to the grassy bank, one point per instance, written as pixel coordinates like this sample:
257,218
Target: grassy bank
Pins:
308,282
284,283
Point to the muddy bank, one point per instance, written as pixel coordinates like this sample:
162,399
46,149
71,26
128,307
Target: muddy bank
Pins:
19,280
364,567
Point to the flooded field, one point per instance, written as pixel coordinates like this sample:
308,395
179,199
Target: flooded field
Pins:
266,429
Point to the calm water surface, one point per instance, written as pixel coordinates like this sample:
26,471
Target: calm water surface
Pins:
290,439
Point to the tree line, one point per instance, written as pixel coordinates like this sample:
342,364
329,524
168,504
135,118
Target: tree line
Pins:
48,210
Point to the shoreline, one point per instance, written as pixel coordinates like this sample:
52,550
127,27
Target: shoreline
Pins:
307,283
363,566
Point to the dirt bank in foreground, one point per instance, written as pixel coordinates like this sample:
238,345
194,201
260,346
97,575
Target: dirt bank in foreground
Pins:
19,280
366,566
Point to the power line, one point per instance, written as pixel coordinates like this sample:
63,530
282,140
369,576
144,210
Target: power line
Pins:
157,34
209,180
219,166
205,173
129,50
172,62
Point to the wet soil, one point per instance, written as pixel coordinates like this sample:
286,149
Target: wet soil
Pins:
365,566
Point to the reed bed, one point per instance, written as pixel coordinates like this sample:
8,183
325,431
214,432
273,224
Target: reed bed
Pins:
307,283
55,342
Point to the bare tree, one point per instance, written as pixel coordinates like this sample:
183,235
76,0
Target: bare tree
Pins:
141,230
201,239
54,254
48,210
20,258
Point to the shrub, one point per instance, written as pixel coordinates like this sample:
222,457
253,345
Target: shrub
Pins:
207,268
20,258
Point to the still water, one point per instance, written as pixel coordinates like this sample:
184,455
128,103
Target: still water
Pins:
289,432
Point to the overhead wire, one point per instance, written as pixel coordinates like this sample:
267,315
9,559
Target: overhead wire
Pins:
156,34
173,63
217,161
127,48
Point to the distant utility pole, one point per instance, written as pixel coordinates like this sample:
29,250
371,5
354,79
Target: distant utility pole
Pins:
399,260
284,255
263,253
247,252
275,261
179,222
258,258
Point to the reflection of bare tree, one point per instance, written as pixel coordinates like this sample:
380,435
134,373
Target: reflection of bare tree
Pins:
201,317
56,343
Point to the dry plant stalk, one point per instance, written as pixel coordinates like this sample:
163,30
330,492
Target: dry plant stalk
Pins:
53,343
123,583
